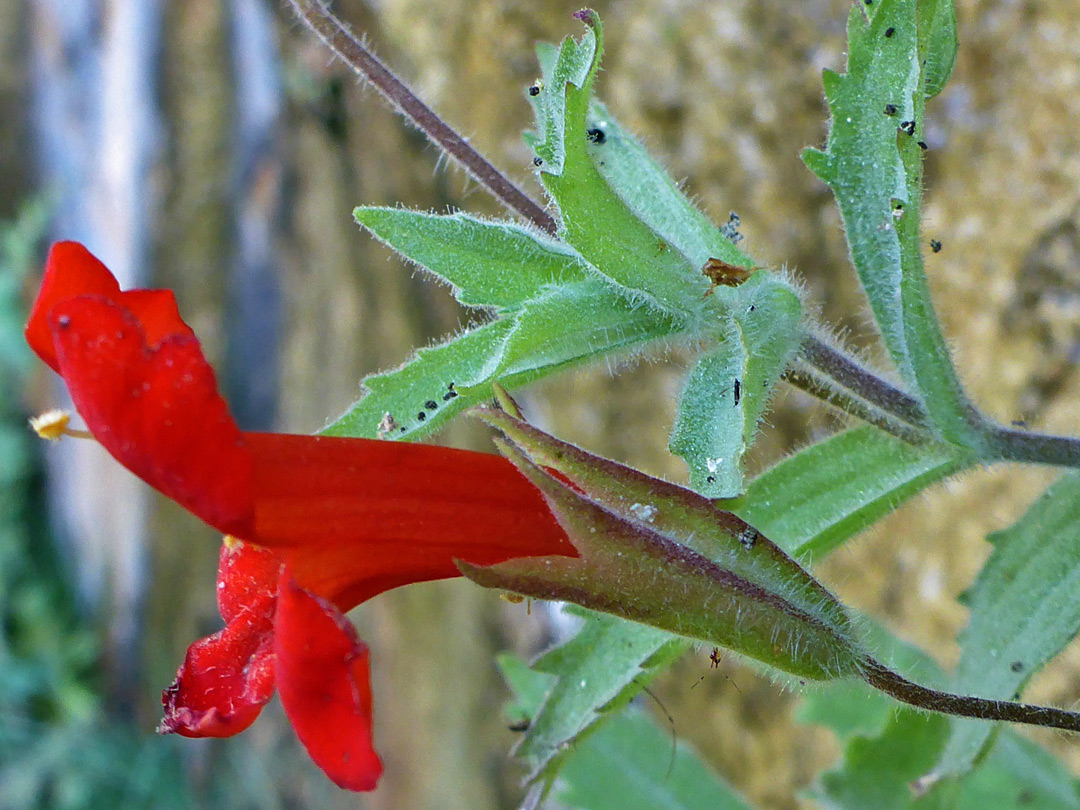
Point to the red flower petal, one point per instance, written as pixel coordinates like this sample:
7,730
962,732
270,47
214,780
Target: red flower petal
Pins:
323,679
225,679
71,270
157,313
247,576
156,410
355,517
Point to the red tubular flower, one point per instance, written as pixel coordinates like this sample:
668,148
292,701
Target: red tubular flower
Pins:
321,524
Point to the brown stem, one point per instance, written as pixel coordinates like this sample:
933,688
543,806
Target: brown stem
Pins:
807,381
881,677
1036,448
352,51
852,375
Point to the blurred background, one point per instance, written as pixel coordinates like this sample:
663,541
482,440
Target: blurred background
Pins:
214,147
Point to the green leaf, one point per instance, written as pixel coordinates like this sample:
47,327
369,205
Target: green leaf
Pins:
467,361
592,675
617,758
565,96
1024,610
726,393
1018,775
861,162
709,430
627,217
873,164
593,218
881,772
489,263
649,192
938,43
564,325
877,772
576,322
528,687
817,498
630,763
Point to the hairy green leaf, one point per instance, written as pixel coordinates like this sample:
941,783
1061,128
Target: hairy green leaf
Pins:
593,218
877,772
1024,610
726,393
654,198
528,688
575,322
618,759
585,680
564,325
938,43
1018,775
861,162
886,749
405,392
489,263
873,164
567,86
709,430
467,361
817,498
626,215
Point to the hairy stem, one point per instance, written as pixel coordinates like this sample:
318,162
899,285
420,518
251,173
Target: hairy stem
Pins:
851,374
1036,448
810,382
881,677
338,38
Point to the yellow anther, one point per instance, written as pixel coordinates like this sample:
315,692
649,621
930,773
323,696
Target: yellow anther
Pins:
53,424
232,543
50,425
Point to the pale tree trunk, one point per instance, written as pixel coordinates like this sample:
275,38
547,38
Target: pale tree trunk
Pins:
94,131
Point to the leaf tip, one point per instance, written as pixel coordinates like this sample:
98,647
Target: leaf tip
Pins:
505,402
